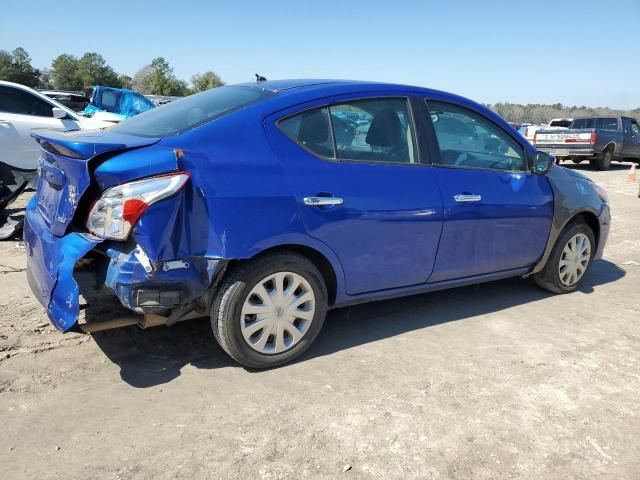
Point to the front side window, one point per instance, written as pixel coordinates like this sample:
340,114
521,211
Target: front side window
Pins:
15,100
376,130
635,129
467,139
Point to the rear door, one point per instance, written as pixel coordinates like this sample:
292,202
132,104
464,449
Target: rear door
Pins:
497,215
355,169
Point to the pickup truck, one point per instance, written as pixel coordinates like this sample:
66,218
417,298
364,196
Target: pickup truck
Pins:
598,139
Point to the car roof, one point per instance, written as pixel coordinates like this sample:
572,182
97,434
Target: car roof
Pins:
283,85
310,88
597,116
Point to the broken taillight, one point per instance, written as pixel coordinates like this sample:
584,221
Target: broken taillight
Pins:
120,207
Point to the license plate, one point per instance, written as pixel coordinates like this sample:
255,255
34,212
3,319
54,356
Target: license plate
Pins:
48,199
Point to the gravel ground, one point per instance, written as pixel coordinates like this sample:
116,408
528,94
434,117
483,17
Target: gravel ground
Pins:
500,380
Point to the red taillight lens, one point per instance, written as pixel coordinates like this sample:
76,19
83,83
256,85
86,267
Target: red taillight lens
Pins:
535,138
594,137
120,207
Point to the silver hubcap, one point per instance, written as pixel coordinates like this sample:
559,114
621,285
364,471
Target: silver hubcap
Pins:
277,312
575,259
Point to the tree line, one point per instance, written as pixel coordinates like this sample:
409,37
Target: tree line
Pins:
68,72
538,113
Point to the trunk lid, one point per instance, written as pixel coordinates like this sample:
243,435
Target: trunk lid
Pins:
65,172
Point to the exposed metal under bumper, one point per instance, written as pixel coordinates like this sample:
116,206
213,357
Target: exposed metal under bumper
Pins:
143,321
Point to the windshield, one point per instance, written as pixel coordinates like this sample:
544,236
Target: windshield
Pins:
184,114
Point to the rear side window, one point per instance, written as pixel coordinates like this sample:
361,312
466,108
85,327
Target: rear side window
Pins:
15,100
584,123
607,124
184,114
376,130
469,140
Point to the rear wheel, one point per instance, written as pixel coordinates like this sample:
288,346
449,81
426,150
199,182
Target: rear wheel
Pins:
603,162
569,261
269,311
576,160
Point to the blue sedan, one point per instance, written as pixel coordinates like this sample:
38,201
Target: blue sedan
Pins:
264,205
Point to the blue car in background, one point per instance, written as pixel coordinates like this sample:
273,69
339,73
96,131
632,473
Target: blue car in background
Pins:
246,204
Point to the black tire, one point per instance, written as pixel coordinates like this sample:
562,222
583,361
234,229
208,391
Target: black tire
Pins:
576,160
603,162
232,292
549,277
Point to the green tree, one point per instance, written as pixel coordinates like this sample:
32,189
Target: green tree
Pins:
6,65
64,73
44,79
16,67
94,70
205,81
162,81
142,79
157,79
125,81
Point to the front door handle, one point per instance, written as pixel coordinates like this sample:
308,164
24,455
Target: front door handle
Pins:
467,198
319,201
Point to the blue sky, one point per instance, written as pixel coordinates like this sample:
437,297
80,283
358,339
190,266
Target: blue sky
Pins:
581,52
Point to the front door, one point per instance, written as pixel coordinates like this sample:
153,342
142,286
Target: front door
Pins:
631,147
497,215
355,170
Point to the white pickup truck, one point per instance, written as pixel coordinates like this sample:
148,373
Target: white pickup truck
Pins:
554,124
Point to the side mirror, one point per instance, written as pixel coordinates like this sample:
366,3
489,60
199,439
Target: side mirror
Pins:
543,163
58,113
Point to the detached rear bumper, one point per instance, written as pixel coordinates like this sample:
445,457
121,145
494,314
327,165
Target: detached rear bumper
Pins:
50,263
143,285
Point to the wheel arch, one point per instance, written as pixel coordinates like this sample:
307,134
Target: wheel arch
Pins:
611,146
317,253
585,215
590,219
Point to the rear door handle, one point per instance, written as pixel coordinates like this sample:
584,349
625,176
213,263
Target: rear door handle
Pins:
466,198
319,201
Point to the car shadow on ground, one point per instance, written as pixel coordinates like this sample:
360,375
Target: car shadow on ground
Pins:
585,165
155,356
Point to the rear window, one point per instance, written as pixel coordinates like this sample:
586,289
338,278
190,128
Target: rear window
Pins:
184,114
560,123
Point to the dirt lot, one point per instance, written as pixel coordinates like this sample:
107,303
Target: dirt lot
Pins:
500,380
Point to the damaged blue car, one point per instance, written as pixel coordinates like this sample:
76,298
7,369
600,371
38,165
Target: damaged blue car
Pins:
263,205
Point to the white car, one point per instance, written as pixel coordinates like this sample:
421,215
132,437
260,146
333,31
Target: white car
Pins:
554,124
23,109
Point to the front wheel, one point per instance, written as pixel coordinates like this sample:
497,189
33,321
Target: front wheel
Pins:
270,310
569,261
